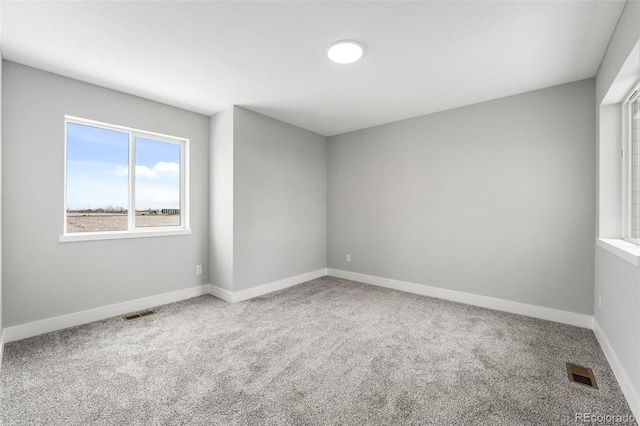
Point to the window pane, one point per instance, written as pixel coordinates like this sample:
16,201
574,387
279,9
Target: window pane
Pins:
97,181
157,186
635,168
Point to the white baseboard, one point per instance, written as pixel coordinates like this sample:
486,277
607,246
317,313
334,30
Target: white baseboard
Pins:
57,323
628,389
260,290
1,347
220,293
35,328
549,314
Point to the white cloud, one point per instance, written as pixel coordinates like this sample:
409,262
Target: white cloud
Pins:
160,169
144,171
163,167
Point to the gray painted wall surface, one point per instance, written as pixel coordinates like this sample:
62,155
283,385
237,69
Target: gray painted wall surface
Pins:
280,200
0,205
221,200
624,38
495,199
618,283
43,278
609,176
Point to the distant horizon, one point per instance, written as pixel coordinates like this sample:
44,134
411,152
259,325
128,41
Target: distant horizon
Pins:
116,209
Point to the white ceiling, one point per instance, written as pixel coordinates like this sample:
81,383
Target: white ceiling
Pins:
269,57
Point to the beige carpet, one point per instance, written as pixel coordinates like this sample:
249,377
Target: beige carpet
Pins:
327,352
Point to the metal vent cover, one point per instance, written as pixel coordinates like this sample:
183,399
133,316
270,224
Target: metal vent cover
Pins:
139,315
581,375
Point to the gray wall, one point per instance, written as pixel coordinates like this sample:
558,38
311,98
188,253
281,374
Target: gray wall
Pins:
617,282
624,38
280,200
221,200
494,199
1,208
43,278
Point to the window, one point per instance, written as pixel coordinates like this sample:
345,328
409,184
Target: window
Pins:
105,199
631,166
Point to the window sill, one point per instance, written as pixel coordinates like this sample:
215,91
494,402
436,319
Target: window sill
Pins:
621,248
95,236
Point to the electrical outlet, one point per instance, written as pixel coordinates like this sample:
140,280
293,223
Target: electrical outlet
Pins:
198,269
599,302
348,258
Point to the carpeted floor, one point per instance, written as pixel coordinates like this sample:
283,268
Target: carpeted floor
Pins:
327,352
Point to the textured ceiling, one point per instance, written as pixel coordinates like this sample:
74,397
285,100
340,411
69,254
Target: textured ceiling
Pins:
269,57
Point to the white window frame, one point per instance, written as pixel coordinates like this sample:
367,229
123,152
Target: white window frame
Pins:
627,165
132,232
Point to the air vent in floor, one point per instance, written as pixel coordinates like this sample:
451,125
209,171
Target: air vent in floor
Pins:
139,315
582,375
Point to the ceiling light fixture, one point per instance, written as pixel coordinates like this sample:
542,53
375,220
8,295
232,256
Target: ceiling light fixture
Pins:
345,51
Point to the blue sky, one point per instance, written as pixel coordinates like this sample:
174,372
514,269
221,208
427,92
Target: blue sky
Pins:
97,170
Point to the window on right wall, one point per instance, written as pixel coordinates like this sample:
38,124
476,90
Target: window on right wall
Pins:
631,166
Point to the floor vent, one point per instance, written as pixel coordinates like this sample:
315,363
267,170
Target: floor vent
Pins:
582,375
139,315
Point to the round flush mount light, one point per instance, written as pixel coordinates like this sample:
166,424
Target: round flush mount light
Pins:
345,51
